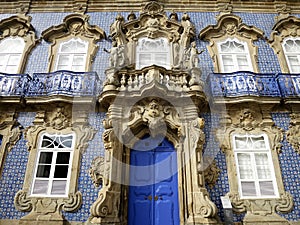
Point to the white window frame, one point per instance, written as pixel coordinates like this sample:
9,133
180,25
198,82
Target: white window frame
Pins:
252,152
9,53
51,178
293,54
165,52
234,55
72,55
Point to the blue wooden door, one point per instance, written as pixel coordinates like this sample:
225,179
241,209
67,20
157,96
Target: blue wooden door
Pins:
153,191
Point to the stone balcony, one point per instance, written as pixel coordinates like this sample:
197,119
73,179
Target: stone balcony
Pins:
134,82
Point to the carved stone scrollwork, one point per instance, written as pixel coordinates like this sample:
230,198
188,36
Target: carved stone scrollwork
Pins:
96,171
156,114
211,173
293,134
254,120
60,119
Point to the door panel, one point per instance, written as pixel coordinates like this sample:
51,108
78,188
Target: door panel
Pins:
153,191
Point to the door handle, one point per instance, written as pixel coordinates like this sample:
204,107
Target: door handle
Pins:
150,197
157,197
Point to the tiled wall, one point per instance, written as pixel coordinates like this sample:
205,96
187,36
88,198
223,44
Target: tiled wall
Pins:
38,62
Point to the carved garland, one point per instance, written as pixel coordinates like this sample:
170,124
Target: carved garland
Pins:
293,134
251,122
10,130
53,122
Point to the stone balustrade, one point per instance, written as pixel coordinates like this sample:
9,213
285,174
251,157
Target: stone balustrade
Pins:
177,81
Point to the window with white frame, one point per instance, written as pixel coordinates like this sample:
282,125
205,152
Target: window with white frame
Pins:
234,56
255,170
11,50
53,165
153,52
72,55
291,48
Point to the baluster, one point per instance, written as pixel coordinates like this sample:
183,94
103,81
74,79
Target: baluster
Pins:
135,82
130,83
171,83
123,82
184,82
142,80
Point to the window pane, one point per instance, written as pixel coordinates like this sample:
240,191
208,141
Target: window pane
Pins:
266,188
43,171
59,187
40,187
61,171
262,166
63,60
245,167
242,62
78,60
14,60
46,157
248,188
63,158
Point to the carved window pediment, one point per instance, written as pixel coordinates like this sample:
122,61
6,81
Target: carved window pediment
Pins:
153,24
230,26
284,30
17,34
74,27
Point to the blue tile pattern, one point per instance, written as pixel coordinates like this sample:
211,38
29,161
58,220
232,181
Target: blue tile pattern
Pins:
13,173
290,168
85,185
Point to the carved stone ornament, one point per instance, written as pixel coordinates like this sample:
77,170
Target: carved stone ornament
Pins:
284,28
57,120
254,120
96,171
153,23
73,26
231,26
10,131
19,26
157,115
211,173
293,134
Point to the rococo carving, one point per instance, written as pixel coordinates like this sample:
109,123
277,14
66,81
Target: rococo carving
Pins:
284,28
96,171
252,119
59,119
231,26
293,134
19,26
153,23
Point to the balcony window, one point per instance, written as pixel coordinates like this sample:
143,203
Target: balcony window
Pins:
234,56
291,49
53,166
72,55
255,170
11,50
153,52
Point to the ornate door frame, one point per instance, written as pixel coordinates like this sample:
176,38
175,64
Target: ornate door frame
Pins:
153,110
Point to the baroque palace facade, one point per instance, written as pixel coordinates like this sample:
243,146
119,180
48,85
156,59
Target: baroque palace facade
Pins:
149,112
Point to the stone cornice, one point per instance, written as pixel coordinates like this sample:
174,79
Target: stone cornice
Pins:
26,6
